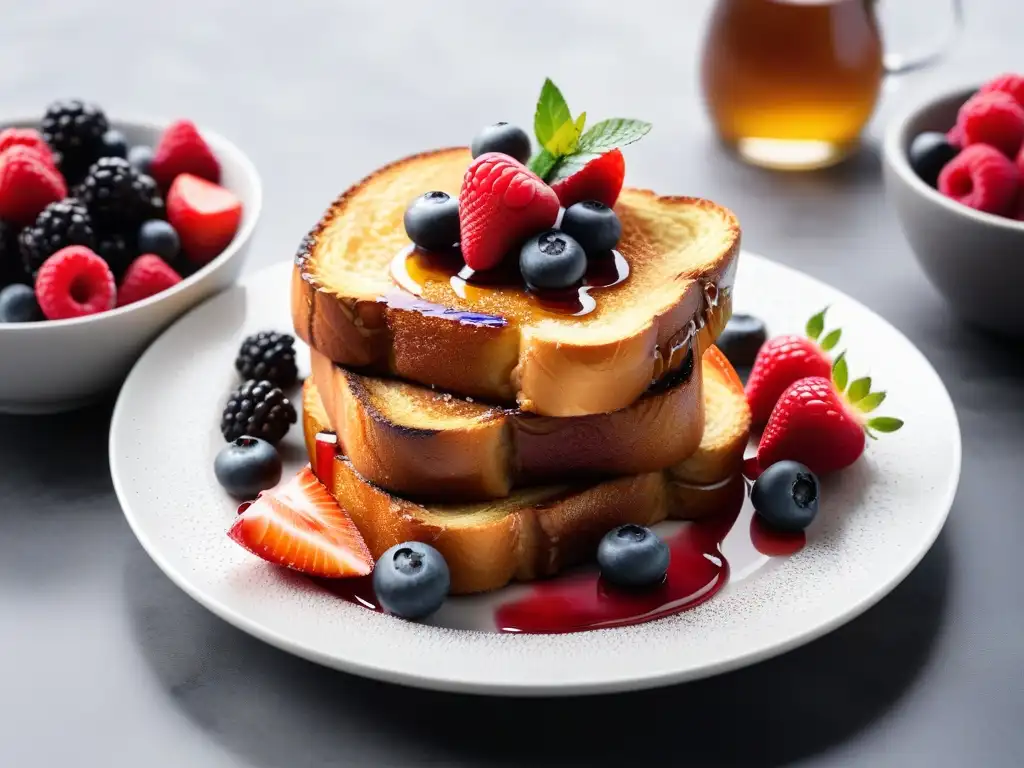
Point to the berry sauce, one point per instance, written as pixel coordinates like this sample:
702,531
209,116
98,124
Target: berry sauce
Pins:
580,600
413,268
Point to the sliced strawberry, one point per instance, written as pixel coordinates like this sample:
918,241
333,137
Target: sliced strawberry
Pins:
601,179
205,215
501,204
784,359
818,424
299,525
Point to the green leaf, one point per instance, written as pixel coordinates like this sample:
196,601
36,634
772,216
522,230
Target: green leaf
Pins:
613,133
831,339
543,163
567,166
816,324
551,114
840,373
859,388
870,402
885,424
566,138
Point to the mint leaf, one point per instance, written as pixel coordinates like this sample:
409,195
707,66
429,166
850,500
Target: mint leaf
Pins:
569,165
613,133
868,403
831,339
840,372
567,137
859,389
542,163
551,114
885,424
816,325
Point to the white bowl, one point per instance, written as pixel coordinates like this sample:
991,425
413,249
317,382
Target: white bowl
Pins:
974,259
59,365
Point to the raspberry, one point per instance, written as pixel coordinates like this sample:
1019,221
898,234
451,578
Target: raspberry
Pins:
982,178
27,185
147,276
183,150
994,119
75,282
955,137
27,137
1011,84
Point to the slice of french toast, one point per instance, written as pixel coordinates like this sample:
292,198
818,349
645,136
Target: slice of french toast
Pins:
537,531
356,300
423,444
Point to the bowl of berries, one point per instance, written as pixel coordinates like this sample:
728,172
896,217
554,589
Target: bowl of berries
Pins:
109,231
954,171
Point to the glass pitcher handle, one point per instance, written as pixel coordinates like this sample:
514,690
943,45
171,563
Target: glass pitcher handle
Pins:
898,64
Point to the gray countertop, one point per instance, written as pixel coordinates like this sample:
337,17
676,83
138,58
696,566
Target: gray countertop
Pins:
105,663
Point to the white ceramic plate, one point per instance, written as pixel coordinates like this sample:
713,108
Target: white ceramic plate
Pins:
878,520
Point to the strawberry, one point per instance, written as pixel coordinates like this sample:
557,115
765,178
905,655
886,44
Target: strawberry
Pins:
205,216
299,525
147,276
600,179
27,184
822,426
182,149
784,359
501,204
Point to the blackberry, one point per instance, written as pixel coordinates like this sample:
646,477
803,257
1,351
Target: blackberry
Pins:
268,355
74,130
258,409
146,189
11,268
116,249
60,224
114,193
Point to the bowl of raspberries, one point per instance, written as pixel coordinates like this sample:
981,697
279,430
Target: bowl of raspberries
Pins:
109,231
954,172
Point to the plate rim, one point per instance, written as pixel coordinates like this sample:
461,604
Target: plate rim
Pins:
441,681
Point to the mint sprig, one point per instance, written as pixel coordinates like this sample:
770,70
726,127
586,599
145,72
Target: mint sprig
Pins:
564,146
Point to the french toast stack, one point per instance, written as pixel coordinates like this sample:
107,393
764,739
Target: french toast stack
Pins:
509,435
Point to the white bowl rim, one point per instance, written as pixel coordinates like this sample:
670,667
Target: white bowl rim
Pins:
898,160
240,158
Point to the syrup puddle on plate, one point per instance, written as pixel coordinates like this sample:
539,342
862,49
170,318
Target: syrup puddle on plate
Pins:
706,555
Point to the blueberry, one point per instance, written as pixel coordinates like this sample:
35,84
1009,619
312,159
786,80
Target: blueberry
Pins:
786,496
18,305
141,158
246,466
633,556
114,144
432,221
929,153
552,259
741,339
159,237
504,138
593,225
411,580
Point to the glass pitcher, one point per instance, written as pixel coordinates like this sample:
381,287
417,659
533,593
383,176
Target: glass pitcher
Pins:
791,83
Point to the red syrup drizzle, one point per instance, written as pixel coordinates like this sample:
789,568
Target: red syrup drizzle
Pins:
583,601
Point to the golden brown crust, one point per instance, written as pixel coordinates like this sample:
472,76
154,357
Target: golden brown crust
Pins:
537,531
512,362
401,437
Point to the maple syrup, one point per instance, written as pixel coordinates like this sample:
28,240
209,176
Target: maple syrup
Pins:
452,281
